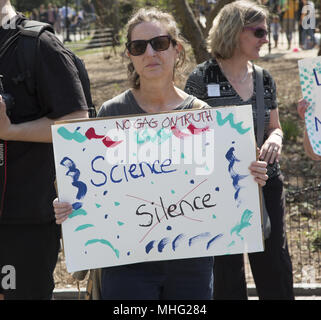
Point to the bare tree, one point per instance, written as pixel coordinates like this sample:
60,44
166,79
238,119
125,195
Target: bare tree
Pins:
192,30
212,14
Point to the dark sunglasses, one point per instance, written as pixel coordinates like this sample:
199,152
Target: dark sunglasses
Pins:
138,47
258,32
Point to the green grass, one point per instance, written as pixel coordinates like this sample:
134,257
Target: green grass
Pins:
290,129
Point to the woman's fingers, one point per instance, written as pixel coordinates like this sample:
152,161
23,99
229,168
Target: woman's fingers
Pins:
302,107
258,170
273,154
271,149
62,210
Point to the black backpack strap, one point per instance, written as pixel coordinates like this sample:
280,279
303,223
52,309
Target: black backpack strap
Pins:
3,173
259,105
27,45
8,43
85,82
31,28
266,222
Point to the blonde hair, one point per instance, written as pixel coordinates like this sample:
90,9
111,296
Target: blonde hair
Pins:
227,26
168,22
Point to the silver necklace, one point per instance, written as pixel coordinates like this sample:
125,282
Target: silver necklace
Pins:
231,79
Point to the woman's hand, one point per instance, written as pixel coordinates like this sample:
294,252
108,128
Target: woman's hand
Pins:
302,107
62,210
258,171
271,149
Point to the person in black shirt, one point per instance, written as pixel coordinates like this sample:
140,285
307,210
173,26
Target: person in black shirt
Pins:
29,237
238,33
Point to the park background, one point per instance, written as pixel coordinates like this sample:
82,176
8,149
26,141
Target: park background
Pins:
94,30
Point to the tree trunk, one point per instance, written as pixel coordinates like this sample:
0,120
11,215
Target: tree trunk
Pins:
191,30
213,13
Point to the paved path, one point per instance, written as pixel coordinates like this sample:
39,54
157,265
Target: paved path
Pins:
283,52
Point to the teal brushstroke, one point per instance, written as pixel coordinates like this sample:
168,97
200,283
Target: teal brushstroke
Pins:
245,222
67,135
120,223
105,242
230,118
83,227
231,244
79,212
160,136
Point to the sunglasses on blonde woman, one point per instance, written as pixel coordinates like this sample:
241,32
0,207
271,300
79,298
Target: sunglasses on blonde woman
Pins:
258,32
160,43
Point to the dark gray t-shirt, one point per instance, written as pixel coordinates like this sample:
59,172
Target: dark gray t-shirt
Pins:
125,103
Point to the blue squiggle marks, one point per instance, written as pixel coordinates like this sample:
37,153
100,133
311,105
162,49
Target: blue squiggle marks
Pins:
105,242
230,119
162,244
82,189
235,176
245,222
197,238
231,158
210,243
177,240
74,173
76,205
149,246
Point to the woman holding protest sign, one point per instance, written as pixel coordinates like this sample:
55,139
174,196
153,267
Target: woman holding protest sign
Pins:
155,50
230,78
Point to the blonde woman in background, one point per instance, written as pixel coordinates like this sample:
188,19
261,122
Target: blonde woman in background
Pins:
238,33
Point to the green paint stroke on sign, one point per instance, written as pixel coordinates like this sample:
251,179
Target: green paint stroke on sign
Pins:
83,227
67,135
104,242
230,119
245,222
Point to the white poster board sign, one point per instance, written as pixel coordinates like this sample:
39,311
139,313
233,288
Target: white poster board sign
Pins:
158,187
310,79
